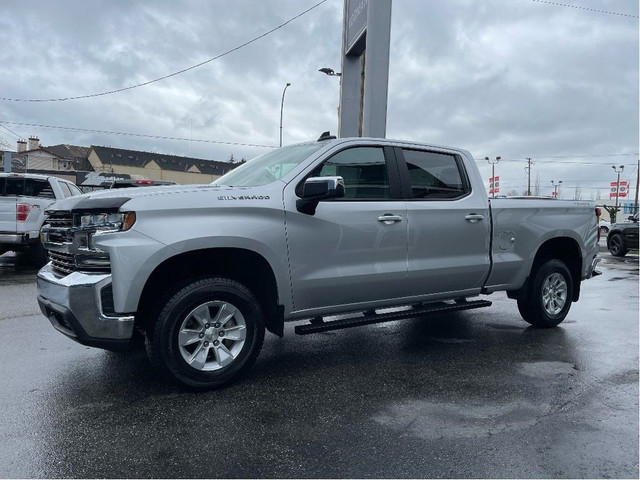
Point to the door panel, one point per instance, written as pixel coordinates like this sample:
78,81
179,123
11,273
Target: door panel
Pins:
343,254
353,249
448,225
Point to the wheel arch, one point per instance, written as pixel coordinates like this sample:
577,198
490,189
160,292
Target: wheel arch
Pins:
565,249
244,266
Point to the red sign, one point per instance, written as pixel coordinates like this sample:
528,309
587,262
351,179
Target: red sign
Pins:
494,184
619,190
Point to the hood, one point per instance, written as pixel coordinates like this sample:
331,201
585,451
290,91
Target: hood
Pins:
163,197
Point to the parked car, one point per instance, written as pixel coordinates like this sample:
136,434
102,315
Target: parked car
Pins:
308,231
604,226
623,237
138,183
24,198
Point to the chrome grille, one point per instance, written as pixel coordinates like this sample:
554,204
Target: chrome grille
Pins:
65,263
62,262
59,219
58,227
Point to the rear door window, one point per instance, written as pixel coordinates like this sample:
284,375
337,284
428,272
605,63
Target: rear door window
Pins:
435,175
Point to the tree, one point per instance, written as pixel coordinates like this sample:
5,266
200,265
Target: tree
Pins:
231,159
612,210
536,187
577,194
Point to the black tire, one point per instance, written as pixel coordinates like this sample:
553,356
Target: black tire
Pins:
604,230
550,295
207,334
616,245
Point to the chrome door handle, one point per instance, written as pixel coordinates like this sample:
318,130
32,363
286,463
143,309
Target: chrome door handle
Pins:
474,217
389,218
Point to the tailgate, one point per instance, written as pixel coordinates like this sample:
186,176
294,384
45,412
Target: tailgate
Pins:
8,214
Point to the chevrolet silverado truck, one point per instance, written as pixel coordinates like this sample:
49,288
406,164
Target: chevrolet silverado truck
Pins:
327,233
24,197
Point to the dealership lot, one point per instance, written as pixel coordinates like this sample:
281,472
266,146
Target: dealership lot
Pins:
469,394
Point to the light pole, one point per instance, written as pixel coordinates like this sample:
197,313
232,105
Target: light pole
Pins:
618,171
282,108
555,188
330,72
493,173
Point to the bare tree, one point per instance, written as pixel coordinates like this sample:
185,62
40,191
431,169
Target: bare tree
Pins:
577,194
536,187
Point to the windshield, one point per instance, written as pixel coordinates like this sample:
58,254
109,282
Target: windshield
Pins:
269,167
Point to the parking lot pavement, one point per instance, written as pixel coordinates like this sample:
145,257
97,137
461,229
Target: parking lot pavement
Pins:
470,394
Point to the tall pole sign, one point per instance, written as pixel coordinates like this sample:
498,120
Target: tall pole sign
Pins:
366,36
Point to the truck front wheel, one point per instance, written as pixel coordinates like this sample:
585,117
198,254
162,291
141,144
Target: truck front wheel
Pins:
208,333
550,295
617,246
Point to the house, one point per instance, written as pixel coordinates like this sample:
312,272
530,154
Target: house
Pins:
155,166
90,166
31,157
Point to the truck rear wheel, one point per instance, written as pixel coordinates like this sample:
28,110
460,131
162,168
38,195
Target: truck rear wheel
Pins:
208,333
550,295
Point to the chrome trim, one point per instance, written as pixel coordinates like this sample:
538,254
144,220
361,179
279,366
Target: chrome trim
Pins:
79,293
12,238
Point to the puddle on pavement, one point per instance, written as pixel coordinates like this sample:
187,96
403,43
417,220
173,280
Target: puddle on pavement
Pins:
547,369
433,421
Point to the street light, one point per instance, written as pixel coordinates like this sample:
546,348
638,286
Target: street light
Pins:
282,108
555,188
493,173
618,171
330,72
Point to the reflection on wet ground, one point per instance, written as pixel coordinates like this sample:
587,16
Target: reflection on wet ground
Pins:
466,394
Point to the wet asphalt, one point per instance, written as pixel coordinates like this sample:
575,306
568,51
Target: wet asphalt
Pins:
470,394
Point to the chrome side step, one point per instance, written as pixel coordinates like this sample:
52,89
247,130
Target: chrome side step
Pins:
370,318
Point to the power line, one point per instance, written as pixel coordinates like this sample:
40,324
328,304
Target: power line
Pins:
179,72
18,137
585,8
160,137
164,137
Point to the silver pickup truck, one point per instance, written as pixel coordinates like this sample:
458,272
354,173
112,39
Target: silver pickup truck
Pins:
24,197
331,231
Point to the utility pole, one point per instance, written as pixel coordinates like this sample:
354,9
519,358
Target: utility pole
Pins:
635,203
493,173
618,171
528,169
555,188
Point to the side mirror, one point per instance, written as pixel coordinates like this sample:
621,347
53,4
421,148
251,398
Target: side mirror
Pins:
316,189
633,218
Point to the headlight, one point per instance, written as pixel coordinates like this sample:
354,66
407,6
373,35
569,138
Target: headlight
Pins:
108,222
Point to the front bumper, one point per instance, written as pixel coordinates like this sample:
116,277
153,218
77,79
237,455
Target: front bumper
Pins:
75,305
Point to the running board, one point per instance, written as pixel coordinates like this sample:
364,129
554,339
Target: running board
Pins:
308,328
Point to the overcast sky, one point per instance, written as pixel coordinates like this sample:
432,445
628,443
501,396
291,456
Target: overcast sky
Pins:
514,78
